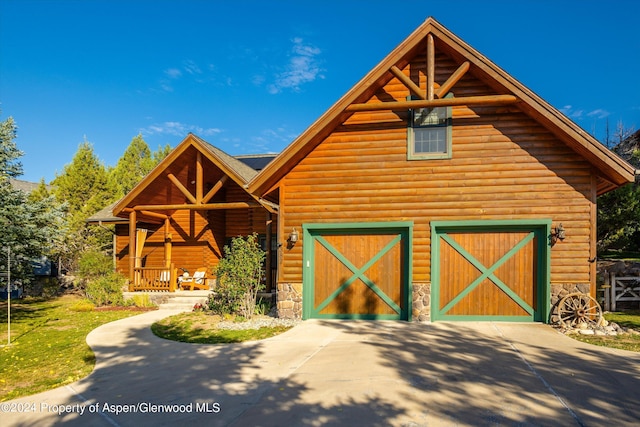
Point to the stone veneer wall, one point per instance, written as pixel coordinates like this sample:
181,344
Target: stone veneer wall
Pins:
421,304
289,300
559,291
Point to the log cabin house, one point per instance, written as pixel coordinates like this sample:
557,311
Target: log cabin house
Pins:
180,216
438,187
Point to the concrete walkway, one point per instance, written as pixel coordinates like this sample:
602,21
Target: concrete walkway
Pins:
345,373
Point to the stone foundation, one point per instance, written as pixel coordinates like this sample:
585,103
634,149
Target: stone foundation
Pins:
421,304
559,291
289,300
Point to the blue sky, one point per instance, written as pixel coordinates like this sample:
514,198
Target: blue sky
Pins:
249,76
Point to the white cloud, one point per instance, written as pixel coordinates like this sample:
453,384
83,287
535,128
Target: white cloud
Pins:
191,67
303,67
577,114
599,113
173,73
178,129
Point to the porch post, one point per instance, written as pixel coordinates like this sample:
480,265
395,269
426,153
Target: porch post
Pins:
167,243
132,248
268,277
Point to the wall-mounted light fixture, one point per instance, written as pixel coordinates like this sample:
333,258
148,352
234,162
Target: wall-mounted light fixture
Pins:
293,236
558,233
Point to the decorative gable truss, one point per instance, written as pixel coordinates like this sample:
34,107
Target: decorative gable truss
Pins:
430,90
194,177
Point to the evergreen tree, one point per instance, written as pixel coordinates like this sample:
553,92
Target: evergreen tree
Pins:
160,154
84,189
136,162
619,210
40,193
10,166
83,184
29,227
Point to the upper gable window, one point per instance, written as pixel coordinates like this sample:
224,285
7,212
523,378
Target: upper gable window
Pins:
429,133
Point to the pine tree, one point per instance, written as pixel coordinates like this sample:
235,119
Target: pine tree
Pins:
10,166
29,227
83,184
84,189
136,162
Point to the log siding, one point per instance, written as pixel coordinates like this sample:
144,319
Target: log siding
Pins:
504,165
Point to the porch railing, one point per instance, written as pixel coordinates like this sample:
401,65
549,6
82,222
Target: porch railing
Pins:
154,279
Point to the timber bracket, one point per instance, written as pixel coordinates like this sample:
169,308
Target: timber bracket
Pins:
435,94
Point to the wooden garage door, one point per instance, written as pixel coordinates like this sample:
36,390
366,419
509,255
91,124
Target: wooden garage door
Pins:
490,271
356,271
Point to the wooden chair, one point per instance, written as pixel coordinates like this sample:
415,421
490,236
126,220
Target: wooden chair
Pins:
197,281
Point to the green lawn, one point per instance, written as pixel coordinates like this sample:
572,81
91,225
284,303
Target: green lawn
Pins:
48,347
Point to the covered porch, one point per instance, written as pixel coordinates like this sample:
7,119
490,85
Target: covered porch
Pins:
178,219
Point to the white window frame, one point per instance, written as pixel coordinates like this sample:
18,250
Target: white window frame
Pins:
446,126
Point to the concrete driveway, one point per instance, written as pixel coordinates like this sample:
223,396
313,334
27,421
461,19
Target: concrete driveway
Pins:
345,373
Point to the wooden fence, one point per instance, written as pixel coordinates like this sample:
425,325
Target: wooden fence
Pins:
620,289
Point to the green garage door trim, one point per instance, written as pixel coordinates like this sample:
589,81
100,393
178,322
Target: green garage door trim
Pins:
313,233
537,228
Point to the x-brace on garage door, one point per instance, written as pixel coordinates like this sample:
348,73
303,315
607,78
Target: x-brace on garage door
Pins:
357,270
490,270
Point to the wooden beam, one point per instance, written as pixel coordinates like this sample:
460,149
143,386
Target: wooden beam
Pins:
444,102
204,206
199,179
132,248
215,189
148,213
182,188
268,231
431,67
453,79
414,88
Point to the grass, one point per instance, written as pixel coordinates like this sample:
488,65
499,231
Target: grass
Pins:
629,319
198,327
48,347
616,255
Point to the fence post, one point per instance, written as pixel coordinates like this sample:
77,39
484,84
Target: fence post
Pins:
613,291
607,291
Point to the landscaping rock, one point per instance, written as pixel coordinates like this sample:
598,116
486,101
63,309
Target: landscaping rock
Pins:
258,322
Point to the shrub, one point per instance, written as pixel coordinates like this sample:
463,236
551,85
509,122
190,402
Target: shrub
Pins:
106,290
94,264
82,305
142,300
239,278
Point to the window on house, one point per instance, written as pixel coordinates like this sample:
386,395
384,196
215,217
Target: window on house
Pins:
429,133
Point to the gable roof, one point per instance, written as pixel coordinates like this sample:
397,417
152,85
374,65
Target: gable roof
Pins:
236,170
106,216
613,170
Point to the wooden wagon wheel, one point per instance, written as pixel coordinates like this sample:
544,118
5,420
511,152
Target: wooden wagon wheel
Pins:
578,308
